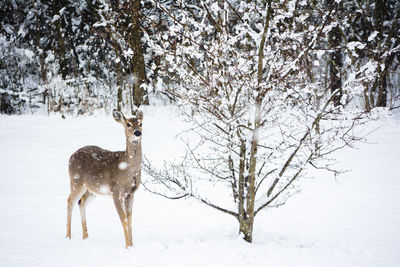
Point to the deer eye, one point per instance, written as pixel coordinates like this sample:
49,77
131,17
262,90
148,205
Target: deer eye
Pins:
129,125
140,124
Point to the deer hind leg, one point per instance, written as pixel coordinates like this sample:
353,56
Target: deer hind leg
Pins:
85,199
122,215
76,193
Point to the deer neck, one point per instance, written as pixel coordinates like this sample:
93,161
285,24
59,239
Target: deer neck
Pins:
134,153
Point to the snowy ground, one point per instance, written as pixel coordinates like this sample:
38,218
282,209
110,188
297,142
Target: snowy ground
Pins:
353,220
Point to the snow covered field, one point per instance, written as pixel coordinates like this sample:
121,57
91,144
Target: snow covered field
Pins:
353,220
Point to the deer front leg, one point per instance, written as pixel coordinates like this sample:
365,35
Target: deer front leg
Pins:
122,216
128,209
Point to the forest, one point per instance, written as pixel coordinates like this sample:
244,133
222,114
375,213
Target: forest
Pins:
73,57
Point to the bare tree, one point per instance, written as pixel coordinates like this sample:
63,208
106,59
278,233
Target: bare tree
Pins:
259,110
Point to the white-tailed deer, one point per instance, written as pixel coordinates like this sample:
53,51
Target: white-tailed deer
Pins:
96,171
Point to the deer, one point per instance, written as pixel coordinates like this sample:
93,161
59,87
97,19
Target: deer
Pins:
96,171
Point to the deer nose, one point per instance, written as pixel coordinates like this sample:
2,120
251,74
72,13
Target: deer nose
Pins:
137,133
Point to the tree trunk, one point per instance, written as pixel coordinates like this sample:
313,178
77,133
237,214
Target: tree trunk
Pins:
246,215
382,90
119,80
335,60
140,94
247,221
242,181
60,49
380,10
246,200
246,228
366,99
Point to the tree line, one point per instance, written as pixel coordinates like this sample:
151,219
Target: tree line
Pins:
78,56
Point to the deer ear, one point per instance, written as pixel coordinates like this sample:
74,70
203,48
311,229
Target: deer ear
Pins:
139,115
118,116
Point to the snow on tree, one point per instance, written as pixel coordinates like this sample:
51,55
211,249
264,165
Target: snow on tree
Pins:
77,56
248,79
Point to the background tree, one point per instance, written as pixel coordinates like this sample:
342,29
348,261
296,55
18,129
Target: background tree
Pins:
121,22
371,31
18,68
335,61
78,55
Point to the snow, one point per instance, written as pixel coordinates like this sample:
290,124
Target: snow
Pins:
104,189
123,165
351,220
373,36
355,45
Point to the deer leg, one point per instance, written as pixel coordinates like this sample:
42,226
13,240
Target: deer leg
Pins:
76,193
128,208
122,216
85,199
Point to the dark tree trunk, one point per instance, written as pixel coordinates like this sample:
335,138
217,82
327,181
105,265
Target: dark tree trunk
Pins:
379,17
335,62
140,94
382,90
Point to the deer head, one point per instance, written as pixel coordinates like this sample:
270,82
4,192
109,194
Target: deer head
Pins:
133,126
